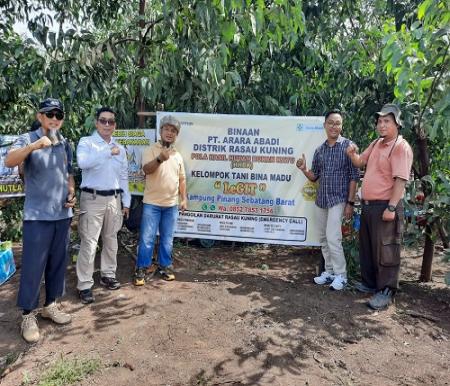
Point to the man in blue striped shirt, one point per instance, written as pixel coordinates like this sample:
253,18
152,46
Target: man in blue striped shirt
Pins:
337,179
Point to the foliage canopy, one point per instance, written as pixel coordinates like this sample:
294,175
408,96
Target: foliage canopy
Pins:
236,56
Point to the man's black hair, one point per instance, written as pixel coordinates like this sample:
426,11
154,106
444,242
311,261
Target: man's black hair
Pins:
335,111
35,125
103,110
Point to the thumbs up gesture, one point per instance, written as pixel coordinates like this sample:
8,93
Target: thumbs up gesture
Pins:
301,163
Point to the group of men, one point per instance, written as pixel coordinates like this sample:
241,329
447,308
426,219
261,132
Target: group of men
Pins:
45,157
335,166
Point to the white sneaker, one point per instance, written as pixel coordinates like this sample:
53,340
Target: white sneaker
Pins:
53,312
29,328
338,283
324,278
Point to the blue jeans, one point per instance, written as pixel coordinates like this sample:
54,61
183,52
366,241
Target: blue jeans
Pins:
153,218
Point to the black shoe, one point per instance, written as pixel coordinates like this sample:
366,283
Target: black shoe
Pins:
86,296
110,282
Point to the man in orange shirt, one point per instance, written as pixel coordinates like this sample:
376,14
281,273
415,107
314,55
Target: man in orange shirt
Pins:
164,194
388,162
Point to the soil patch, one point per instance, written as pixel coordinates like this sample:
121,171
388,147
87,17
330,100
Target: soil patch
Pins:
240,315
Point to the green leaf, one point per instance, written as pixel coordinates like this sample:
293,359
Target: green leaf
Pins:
426,83
423,9
428,180
52,39
228,31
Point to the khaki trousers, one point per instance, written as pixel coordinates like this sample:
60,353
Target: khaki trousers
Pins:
329,223
99,215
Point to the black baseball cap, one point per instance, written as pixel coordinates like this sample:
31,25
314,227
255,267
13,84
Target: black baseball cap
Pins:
50,104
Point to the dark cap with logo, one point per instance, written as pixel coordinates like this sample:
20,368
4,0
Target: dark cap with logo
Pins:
50,104
393,109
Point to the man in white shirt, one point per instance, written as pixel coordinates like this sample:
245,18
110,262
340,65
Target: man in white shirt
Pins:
104,201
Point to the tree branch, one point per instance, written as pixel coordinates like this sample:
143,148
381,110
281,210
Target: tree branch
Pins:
124,40
354,29
152,24
434,85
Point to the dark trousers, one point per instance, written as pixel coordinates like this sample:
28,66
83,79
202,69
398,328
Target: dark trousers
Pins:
45,251
379,250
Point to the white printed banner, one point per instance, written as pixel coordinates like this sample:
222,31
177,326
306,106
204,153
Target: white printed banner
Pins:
242,180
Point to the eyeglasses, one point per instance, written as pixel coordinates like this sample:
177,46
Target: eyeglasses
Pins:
106,122
334,123
59,115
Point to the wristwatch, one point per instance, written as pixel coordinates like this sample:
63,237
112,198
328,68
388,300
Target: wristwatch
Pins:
391,208
352,203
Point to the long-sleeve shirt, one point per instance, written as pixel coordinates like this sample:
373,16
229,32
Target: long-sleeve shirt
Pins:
100,169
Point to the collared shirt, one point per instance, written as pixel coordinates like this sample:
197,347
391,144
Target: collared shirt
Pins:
100,169
163,185
46,173
334,171
385,162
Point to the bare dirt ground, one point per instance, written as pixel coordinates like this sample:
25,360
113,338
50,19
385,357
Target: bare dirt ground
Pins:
248,315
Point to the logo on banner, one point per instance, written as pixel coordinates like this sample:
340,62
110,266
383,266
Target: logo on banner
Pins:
308,127
309,191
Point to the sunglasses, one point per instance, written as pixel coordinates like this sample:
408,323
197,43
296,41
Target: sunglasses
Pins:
59,115
105,122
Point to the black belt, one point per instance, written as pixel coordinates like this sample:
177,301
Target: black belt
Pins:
375,202
112,192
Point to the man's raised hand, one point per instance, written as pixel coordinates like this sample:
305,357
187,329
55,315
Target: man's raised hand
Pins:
301,163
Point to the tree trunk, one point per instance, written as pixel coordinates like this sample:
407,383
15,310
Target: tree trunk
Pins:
140,103
424,157
424,162
428,252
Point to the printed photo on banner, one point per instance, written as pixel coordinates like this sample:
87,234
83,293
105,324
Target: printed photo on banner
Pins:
11,185
242,180
135,141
